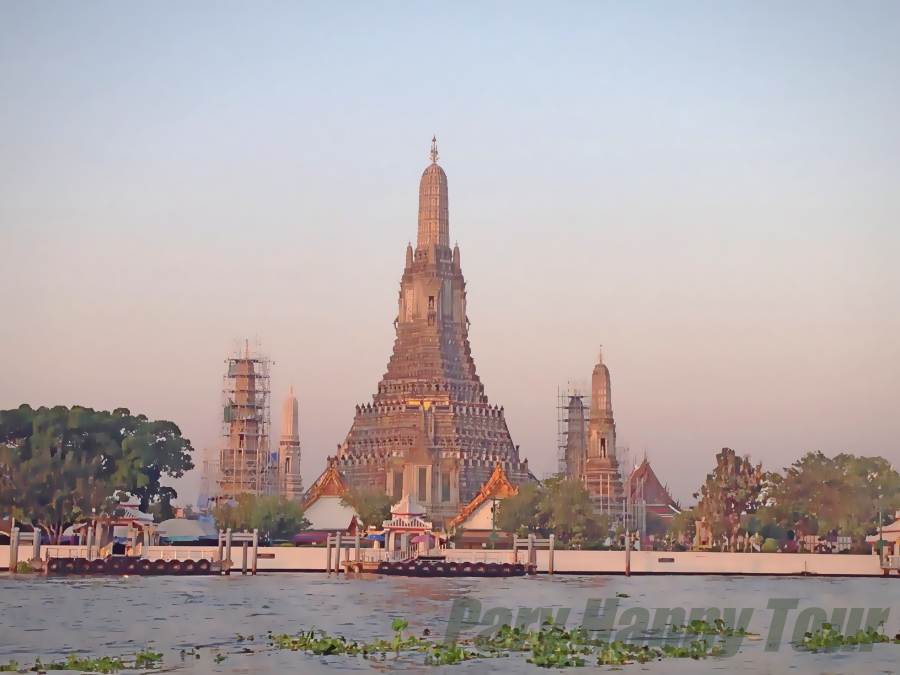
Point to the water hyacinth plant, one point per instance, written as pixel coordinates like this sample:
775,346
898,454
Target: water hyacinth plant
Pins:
830,638
717,627
143,660
550,646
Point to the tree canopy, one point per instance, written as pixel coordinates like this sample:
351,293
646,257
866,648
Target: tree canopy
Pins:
819,494
372,505
814,495
558,505
734,488
519,513
60,464
275,517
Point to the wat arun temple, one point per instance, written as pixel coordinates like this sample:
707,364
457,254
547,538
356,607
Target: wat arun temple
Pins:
430,432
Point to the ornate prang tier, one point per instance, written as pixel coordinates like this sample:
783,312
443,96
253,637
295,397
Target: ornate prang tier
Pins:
430,431
601,467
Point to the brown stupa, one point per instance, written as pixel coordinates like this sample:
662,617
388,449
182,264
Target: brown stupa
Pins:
601,468
430,432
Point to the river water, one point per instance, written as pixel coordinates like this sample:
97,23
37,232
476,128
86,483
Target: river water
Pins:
50,618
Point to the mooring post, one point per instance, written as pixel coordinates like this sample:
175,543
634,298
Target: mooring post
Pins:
244,556
337,557
255,548
227,562
627,553
531,555
90,542
356,545
328,554
13,549
628,517
550,568
221,544
36,544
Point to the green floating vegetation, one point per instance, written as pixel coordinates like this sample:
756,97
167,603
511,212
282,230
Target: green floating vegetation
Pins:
144,660
830,638
555,647
550,646
717,627
322,644
147,659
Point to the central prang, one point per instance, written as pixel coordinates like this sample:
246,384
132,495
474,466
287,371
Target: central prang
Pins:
430,432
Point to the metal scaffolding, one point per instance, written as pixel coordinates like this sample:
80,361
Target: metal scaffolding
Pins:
568,399
245,461
573,418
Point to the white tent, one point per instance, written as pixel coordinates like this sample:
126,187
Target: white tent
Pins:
184,529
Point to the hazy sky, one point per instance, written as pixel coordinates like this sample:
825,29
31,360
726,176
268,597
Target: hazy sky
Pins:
709,190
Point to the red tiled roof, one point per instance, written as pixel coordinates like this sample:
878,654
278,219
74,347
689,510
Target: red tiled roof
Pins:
644,483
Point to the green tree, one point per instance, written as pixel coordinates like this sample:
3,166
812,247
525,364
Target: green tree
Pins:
275,517
60,464
372,505
566,510
656,525
519,513
157,449
734,488
162,509
683,526
558,505
818,494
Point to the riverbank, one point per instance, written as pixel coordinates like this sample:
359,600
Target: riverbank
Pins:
313,559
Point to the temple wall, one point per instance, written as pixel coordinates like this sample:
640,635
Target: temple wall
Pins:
310,559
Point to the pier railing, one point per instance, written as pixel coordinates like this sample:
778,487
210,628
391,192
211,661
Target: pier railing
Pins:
66,552
383,555
477,555
181,553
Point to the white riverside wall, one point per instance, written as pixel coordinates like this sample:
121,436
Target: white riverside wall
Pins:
696,562
310,559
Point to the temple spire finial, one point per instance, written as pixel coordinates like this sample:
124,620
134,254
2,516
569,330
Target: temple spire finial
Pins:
600,355
434,151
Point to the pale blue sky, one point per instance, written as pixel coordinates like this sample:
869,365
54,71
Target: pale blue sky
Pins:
708,189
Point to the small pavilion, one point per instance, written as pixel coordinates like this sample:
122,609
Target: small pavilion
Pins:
407,525
891,536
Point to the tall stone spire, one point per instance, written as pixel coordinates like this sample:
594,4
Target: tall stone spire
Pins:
434,219
602,437
290,418
290,482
